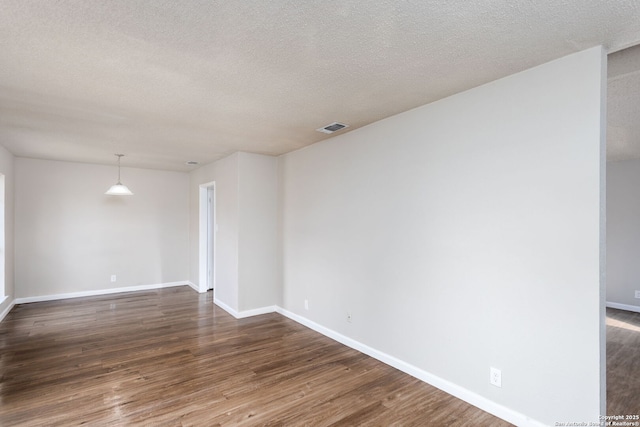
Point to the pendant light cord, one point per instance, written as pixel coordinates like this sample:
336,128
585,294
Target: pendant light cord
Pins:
119,157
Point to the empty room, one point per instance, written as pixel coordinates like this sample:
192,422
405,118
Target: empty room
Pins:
319,213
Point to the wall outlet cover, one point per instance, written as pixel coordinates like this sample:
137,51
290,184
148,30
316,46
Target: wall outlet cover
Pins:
495,377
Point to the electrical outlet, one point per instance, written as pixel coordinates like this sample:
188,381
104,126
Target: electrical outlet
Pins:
637,294
113,277
495,377
306,304
349,317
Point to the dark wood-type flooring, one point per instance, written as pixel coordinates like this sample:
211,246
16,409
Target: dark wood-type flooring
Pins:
623,362
171,357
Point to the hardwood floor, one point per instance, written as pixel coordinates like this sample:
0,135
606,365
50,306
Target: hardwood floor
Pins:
171,357
623,362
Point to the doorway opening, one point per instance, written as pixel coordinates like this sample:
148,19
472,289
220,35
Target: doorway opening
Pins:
2,241
622,230
207,237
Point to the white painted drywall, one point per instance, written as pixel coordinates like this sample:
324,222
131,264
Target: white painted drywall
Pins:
623,232
226,256
259,284
465,234
6,169
246,206
71,237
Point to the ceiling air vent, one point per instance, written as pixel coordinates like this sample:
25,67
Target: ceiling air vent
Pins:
333,127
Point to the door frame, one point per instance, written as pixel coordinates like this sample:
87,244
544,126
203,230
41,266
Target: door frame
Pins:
206,240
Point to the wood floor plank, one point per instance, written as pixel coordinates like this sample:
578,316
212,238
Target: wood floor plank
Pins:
623,362
171,357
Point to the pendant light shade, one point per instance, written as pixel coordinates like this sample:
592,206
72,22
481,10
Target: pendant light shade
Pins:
119,189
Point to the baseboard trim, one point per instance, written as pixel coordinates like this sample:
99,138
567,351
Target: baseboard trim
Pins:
257,311
468,396
97,292
6,310
193,286
245,313
225,307
627,307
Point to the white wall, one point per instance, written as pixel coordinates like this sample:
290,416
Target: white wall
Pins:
623,232
259,284
246,241
226,255
465,234
71,237
6,169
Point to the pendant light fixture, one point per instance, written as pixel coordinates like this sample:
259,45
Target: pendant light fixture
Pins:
119,189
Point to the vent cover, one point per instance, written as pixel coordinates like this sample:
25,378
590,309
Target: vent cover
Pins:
333,127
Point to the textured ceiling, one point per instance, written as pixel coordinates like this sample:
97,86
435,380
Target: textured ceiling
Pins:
167,81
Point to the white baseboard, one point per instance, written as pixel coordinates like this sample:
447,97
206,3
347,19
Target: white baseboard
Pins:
194,286
197,288
225,307
468,396
627,307
474,399
245,313
98,292
6,310
257,311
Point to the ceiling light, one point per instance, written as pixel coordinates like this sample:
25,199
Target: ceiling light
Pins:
333,127
119,189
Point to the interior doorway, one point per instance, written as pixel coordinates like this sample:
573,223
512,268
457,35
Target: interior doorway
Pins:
210,237
207,237
622,231
2,242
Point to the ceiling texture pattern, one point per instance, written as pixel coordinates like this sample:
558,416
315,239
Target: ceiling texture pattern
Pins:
167,81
